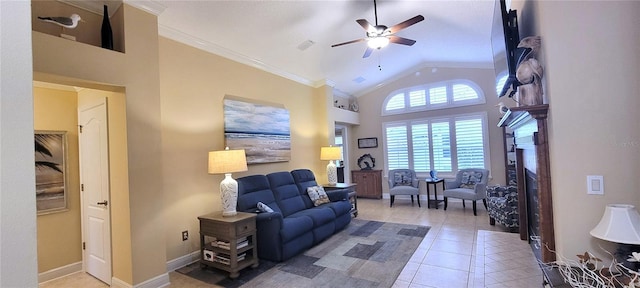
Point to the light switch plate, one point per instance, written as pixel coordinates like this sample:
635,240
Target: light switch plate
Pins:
595,184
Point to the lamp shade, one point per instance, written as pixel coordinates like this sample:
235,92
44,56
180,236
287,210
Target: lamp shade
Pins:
330,153
620,223
227,161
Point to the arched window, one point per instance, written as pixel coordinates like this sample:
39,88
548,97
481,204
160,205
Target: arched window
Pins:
454,93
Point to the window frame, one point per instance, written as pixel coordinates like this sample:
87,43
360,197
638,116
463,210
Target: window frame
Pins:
450,103
451,119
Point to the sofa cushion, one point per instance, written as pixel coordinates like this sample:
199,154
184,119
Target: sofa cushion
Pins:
293,227
286,193
470,179
253,189
317,195
304,178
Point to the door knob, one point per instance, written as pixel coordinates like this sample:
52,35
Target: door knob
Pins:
105,203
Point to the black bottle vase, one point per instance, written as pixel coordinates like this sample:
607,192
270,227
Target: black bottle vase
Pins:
106,33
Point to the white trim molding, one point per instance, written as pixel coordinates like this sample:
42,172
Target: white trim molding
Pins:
60,272
182,261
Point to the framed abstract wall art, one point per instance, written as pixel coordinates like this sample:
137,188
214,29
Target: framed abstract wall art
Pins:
262,130
50,165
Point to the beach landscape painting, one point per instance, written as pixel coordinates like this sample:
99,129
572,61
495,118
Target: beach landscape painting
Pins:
50,171
263,131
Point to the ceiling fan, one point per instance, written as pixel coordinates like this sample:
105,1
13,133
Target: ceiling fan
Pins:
379,36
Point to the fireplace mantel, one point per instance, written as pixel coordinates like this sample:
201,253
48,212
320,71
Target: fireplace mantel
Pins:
536,142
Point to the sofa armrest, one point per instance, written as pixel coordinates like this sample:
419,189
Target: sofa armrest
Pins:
451,184
502,191
268,226
338,195
480,190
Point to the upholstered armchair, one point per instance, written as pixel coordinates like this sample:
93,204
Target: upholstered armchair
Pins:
502,206
403,182
469,184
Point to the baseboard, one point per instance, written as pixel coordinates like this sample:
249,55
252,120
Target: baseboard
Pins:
60,272
117,283
182,261
159,281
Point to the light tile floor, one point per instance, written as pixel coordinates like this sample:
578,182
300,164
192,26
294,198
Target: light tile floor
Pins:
460,250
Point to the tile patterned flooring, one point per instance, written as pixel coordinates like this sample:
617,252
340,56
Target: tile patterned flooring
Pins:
460,250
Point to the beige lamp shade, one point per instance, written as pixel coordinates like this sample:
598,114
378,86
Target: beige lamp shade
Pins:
330,153
620,224
227,161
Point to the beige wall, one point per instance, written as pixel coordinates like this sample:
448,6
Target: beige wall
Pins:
591,70
59,235
137,71
371,109
193,84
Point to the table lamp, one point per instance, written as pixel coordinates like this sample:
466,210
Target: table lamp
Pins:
331,153
620,224
226,162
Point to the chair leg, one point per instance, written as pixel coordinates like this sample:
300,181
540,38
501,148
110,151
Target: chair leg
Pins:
411,200
485,204
463,205
445,203
474,209
418,196
393,197
492,221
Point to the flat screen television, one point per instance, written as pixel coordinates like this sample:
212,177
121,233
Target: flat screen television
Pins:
504,43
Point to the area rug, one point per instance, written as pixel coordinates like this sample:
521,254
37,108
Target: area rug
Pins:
364,254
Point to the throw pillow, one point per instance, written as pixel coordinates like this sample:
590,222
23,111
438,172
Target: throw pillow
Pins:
401,179
263,207
317,195
470,179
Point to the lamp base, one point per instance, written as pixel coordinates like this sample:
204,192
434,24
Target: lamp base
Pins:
229,195
332,173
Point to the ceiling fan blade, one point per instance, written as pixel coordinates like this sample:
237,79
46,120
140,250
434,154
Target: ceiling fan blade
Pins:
400,40
348,42
367,52
405,24
365,24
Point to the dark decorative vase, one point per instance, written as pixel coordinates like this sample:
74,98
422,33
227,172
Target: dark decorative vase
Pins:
106,33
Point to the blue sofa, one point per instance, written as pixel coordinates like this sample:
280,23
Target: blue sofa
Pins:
295,224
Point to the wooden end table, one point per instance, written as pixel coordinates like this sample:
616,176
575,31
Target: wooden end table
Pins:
228,243
435,200
353,197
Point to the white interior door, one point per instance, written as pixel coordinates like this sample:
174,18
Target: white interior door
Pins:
94,179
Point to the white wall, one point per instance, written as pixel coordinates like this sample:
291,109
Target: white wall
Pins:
18,259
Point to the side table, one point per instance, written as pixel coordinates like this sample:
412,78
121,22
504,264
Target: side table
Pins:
353,199
228,243
435,200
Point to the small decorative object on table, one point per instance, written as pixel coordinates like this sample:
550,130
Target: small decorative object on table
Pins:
366,162
433,174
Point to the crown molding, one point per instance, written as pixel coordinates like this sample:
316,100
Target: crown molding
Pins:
150,6
174,34
94,6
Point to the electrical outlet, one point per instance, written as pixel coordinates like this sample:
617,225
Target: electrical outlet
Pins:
185,235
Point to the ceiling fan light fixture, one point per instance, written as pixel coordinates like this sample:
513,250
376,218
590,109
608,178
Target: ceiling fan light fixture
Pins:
378,42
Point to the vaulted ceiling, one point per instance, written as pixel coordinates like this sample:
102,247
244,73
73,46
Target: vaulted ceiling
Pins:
271,35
